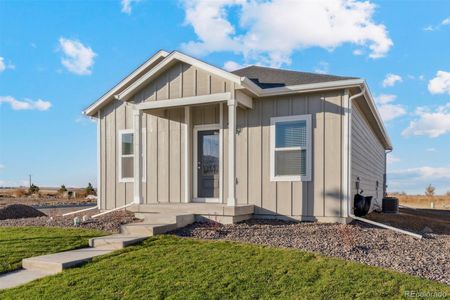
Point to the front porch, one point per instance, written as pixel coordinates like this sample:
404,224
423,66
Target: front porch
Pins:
217,212
205,176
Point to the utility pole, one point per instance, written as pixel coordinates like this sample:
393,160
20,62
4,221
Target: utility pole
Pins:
30,179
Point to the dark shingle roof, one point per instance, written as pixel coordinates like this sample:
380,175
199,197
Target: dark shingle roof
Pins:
268,77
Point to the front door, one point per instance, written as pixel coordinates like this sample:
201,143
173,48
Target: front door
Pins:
208,164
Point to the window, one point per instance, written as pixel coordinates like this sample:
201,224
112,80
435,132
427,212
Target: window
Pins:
290,148
126,155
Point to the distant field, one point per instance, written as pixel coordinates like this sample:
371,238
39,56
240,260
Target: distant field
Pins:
419,201
47,196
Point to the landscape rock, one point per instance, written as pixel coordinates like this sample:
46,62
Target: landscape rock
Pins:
18,211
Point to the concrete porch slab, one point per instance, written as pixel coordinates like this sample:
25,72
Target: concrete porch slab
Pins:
213,211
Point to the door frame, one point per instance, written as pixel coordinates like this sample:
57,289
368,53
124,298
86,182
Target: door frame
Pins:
196,129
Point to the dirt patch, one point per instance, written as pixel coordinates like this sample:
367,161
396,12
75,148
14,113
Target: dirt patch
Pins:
19,211
109,223
359,242
416,220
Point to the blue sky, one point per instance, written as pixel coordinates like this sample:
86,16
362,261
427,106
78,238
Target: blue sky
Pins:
58,57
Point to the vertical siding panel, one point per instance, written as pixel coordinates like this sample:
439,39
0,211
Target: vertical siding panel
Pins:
182,156
333,156
202,82
188,81
217,84
254,153
174,155
299,189
269,188
174,81
241,156
103,159
153,162
120,117
163,158
284,188
110,156
316,108
128,112
209,114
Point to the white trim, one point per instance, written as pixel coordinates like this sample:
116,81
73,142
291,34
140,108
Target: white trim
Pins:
112,210
196,129
90,110
184,101
167,62
300,88
273,121
144,155
99,170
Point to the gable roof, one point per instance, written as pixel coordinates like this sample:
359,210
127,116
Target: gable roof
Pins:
270,78
166,63
124,83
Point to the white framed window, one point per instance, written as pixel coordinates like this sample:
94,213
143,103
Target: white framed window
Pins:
290,148
126,155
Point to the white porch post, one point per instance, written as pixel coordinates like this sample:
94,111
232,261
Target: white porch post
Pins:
137,147
232,105
187,154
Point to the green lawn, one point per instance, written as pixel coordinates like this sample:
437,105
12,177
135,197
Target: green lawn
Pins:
17,243
172,267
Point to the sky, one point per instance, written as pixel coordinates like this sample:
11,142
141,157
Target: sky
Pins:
57,57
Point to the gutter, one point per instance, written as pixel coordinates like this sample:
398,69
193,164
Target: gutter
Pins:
349,198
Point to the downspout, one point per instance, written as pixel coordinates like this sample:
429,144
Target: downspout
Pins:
349,196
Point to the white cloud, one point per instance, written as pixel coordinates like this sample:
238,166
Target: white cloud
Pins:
388,110
78,58
322,68
25,104
268,32
4,66
391,79
126,5
392,159
444,22
232,66
440,84
358,52
418,178
431,123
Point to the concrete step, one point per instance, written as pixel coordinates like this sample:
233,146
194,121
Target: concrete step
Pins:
180,219
116,241
147,229
54,263
19,277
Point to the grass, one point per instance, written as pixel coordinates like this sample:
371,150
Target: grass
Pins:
421,201
177,268
17,243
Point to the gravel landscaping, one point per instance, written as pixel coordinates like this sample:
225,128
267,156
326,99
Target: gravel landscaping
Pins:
427,258
109,223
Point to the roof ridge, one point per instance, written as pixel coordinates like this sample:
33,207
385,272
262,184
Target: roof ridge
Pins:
290,70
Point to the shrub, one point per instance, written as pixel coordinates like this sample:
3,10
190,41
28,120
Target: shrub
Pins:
62,189
33,189
90,190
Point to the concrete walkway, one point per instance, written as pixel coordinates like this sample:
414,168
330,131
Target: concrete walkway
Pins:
40,266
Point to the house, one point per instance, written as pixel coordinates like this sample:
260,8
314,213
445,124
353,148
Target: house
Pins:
273,143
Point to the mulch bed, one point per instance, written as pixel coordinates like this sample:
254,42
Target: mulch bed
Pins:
109,223
428,257
16,211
